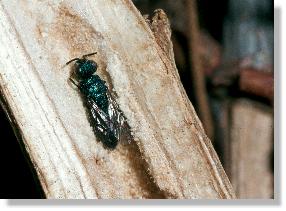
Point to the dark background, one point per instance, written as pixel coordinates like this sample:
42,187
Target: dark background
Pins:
17,177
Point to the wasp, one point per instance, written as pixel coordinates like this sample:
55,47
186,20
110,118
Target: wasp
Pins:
106,117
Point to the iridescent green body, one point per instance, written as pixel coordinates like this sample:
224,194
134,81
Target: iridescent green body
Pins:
106,118
92,86
95,88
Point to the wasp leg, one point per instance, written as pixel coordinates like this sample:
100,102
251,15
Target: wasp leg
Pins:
74,82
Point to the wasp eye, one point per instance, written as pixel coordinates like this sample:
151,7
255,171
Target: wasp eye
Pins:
85,68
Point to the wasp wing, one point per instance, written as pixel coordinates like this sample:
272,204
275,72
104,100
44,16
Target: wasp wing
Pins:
121,127
112,126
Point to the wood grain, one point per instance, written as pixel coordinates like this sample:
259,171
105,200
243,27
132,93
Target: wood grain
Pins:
170,156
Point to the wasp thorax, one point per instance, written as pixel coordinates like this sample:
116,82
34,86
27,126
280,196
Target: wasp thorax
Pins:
85,68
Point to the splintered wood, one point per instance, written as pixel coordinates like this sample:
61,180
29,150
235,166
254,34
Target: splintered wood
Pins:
170,156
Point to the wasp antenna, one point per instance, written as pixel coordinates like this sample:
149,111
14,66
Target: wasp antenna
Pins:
75,59
90,54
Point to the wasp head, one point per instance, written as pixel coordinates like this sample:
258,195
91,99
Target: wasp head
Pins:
85,68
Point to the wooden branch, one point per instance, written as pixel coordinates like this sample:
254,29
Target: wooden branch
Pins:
197,70
170,156
257,82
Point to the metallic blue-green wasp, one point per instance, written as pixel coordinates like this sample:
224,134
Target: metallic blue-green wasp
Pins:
107,119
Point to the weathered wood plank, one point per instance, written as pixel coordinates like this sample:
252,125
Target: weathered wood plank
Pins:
251,149
170,155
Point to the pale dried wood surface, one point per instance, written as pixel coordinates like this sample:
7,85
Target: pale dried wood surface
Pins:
251,150
170,156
